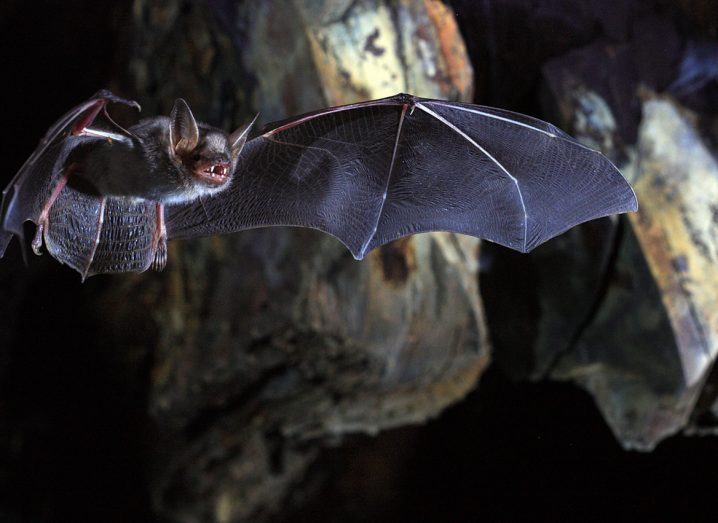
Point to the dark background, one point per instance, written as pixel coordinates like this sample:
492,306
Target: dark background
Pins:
73,436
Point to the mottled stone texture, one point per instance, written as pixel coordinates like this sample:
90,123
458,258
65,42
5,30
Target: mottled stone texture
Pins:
649,347
651,344
271,343
608,305
217,387
626,308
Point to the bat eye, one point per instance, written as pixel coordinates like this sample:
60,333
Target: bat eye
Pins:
196,157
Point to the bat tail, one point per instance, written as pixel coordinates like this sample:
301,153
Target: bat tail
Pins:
5,238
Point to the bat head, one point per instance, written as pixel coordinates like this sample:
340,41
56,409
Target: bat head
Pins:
207,155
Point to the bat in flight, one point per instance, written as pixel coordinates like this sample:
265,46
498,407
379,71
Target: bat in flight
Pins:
107,199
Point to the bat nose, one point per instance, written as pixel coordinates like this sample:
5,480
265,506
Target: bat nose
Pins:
217,158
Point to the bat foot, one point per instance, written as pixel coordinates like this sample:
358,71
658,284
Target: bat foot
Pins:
36,243
160,259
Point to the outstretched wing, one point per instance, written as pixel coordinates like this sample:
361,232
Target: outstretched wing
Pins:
37,181
373,172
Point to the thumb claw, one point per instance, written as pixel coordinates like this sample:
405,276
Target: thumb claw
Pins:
107,95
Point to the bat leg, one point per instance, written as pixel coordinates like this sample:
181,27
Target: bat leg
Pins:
160,240
43,222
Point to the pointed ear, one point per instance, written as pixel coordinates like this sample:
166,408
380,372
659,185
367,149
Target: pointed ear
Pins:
239,137
184,134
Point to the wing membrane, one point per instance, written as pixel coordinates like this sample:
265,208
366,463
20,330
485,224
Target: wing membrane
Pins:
371,173
328,173
28,192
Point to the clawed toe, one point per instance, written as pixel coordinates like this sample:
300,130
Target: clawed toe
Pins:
36,243
160,259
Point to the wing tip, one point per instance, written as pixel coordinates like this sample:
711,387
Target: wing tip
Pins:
630,204
633,203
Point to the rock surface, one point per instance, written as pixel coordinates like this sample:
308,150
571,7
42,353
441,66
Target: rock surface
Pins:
271,343
247,381
623,307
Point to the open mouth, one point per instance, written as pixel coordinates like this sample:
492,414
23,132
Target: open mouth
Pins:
216,174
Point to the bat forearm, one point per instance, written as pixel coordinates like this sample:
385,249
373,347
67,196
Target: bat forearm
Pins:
107,135
159,242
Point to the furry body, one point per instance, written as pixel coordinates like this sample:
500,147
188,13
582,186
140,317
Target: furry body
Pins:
146,166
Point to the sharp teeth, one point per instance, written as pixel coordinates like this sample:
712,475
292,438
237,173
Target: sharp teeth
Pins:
217,171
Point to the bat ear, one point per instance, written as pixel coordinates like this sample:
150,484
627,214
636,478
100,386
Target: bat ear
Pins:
239,137
184,134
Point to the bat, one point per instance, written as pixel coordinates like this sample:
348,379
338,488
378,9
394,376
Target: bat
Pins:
105,199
